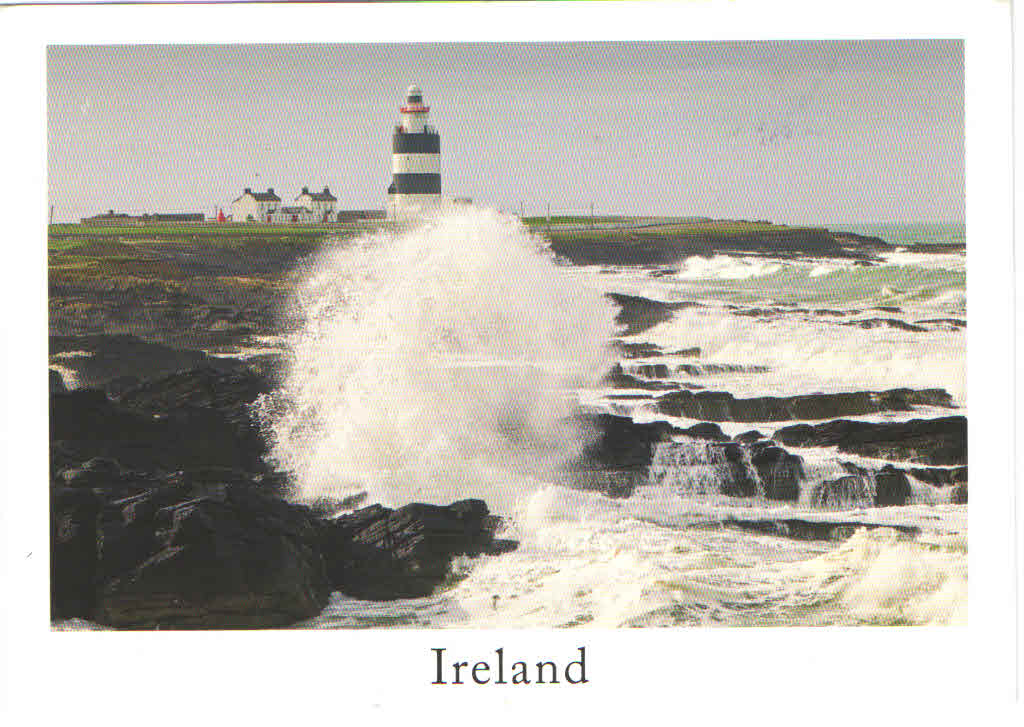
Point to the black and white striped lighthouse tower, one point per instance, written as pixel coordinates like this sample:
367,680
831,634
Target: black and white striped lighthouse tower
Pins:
415,161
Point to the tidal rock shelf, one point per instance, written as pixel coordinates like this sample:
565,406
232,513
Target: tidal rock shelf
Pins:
721,406
941,441
703,461
202,552
804,529
164,514
637,314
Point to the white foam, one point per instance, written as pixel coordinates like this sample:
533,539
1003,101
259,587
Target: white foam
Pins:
432,364
659,559
880,578
64,355
726,267
806,354
930,261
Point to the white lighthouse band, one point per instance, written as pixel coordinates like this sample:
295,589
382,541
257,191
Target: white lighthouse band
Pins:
415,161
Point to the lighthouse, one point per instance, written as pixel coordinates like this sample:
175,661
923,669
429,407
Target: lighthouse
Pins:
415,161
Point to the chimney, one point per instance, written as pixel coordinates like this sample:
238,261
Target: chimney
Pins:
326,190
270,190
248,190
305,190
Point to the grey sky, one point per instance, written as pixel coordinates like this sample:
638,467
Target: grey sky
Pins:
789,131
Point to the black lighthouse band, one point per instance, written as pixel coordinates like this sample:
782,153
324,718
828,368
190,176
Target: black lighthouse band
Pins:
426,143
406,183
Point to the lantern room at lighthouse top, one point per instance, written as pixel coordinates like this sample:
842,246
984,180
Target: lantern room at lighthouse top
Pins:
414,113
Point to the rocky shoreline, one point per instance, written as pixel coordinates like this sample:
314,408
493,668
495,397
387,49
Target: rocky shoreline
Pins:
164,515
656,246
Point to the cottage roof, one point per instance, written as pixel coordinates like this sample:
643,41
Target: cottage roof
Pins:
267,196
324,196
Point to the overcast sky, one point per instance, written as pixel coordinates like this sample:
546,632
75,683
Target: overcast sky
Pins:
837,131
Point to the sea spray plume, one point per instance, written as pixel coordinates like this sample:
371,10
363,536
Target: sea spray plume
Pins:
434,364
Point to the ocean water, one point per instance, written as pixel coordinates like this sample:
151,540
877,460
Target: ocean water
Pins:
912,233
441,363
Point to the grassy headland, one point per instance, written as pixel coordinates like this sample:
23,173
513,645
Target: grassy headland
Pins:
647,241
192,285
212,284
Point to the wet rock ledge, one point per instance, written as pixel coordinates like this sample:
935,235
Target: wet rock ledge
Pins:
163,515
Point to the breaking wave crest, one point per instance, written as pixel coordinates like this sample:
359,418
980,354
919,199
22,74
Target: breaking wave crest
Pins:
433,364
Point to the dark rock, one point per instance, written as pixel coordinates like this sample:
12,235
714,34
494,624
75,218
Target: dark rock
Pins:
96,472
188,420
117,386
640,246
239,559
758,312
639,314
57,382
941,441
618,443
891,487
723,406
887,308
800,529
714,368
212,548
327,507
943,324
738,481
958,496
618,454
73,514
862,242
939,476
636,350
620,380
379,554
106,475
885,323
780,472
706,430
651,371
229,392
116,356
694,351
749,437
841,493
854,469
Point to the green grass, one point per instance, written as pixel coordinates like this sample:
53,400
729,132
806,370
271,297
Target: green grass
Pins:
61,244
718,229
574,220
223,228
64,234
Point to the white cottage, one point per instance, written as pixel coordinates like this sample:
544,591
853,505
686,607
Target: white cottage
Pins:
254,206
285,215
321,204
